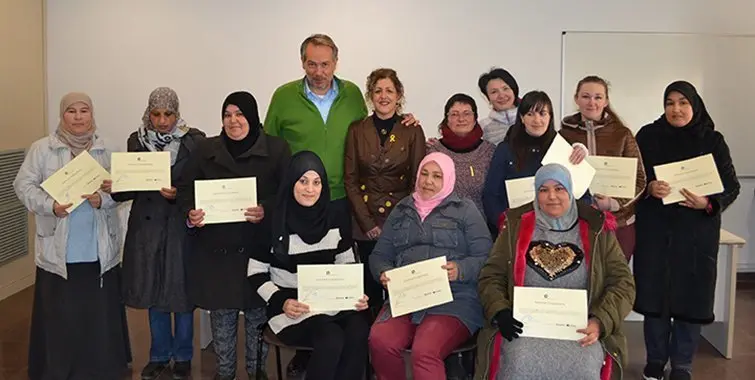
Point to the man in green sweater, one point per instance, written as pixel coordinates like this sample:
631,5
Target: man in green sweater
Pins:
314,113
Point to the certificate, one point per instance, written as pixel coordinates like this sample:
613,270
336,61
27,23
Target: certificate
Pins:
615,177
225,200
698,175
331,287
581,175
551,313
140,171
418,286
83,175
520,191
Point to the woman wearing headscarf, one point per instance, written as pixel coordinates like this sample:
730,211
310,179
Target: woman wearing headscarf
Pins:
676,256
154,253
555,242
382,156
216,268
78,324
432,222
521,154
306,230
502,92
462,141
597,126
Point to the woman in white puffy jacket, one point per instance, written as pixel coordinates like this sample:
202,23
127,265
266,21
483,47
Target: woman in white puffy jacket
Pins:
78,327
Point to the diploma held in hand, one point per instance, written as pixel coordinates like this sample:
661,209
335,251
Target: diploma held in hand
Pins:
581,175
140,171
520,191
333,287
83,175
551,313
615,177
418,286
225,200
698,175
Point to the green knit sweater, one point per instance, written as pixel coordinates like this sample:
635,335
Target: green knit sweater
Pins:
296,119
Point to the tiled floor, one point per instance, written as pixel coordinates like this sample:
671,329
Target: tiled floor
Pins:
15,315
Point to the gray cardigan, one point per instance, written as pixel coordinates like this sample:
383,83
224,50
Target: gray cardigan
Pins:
455,229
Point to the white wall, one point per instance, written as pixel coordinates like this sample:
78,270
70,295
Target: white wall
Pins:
206,49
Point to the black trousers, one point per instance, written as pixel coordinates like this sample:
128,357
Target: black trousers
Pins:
339,345
372,288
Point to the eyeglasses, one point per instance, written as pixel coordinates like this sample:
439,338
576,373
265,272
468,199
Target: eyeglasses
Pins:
462,115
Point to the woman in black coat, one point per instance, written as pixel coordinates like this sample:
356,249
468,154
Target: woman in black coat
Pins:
677,244
217,264
153,255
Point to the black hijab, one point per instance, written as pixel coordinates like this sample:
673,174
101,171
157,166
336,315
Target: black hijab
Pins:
248,106
701,120
310,223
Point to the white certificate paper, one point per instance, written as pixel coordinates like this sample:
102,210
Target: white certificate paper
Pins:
615,177
225,200
83,175
581,175
333,287
520,191
140,171
698,175
418,286
551,313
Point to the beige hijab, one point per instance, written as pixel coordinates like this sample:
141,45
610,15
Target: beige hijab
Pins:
77,143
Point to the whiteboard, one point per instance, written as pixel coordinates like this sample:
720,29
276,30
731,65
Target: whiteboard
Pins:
639,66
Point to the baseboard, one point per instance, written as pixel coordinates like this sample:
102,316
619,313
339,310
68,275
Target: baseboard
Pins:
16,286
746,268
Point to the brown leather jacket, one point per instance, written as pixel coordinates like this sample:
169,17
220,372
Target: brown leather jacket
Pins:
608,138
377,177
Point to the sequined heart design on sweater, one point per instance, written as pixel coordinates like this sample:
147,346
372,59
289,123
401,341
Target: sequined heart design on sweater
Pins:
554,260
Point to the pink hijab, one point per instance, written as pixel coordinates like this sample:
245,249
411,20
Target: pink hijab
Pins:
425,206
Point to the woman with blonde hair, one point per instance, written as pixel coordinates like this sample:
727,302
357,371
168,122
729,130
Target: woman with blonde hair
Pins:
382,157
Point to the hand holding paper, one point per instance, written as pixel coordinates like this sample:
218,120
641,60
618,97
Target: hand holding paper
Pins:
698,175
615,177
225,200
551,313
560,153
82,176
418,286
140,171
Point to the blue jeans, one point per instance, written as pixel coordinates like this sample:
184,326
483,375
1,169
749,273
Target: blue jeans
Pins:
167,344
676,340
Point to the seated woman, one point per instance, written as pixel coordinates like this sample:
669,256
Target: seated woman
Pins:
305,230
560,243
433,222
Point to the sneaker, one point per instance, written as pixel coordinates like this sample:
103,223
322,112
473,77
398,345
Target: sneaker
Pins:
653,371
680,374
153,370
181,370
